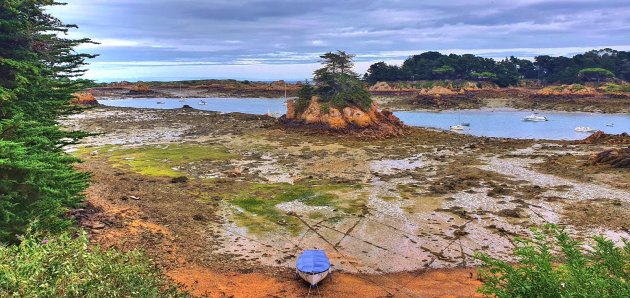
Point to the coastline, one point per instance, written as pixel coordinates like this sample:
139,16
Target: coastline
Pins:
606,104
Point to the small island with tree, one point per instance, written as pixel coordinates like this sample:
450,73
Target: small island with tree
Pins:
339,101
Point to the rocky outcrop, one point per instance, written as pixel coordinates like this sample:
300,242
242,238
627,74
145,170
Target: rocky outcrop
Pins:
610,139
570,90
616,158
84,99
349,119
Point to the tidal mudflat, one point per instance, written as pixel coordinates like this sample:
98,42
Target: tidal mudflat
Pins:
239,192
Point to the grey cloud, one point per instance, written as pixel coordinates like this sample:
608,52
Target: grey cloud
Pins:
197,30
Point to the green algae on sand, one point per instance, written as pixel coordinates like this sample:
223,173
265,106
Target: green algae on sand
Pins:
160,160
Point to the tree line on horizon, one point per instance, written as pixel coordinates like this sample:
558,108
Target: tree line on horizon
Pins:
595,65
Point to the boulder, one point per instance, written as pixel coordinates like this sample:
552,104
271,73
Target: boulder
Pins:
600,137
616,158
84,99
357,117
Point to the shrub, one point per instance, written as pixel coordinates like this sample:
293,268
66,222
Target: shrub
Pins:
63,266
595,74
616,88
304,96
552,264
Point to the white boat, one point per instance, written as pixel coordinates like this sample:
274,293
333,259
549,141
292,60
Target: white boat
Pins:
585,129
457,127
535,118
202,102
610,124
313,266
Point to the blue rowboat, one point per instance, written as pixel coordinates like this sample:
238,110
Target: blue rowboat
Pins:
313,266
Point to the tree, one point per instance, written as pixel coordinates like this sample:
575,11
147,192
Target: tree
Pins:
436,66
339,62
384,72
595,74
338,84
38,75
444,72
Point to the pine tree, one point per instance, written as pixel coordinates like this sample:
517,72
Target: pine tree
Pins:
39,72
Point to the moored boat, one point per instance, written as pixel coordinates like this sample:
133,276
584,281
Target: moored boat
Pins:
535,118
313,266
585,129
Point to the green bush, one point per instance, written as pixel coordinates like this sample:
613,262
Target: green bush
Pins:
615,88
63,266
304,96
552,264
595,74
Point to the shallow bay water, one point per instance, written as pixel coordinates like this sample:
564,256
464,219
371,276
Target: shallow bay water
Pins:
486,122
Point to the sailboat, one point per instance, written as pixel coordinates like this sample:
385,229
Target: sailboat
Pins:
181,99
313,266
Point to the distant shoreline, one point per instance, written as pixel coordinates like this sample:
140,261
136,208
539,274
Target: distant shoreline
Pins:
519,98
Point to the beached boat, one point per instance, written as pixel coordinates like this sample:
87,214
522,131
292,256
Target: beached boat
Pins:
457,127
313,266
585,129
535,118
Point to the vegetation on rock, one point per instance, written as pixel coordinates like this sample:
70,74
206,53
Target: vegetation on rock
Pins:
336,83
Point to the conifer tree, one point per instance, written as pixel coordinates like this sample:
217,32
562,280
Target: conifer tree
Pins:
39,72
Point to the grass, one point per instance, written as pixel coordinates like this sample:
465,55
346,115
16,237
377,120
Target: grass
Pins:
159,160
258,203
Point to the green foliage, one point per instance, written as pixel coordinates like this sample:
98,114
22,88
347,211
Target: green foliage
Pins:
62,266
39,71
304,96
595,74
444,71
552,264
486,75
338,84
616,88
434,66
381,71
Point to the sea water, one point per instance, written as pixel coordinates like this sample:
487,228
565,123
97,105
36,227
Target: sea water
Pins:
484,122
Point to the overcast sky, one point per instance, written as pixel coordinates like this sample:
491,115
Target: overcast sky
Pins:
269,40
